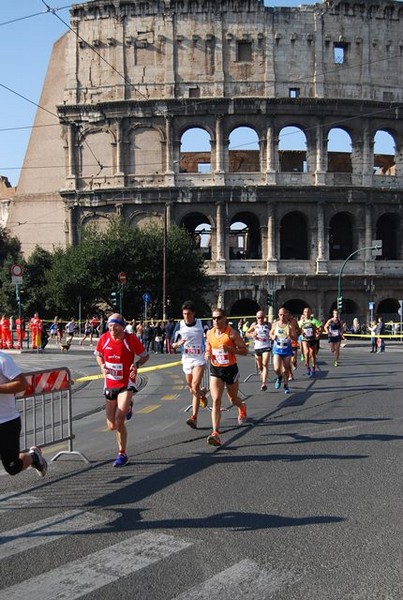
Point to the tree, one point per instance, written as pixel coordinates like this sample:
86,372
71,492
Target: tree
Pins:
90,270
10,253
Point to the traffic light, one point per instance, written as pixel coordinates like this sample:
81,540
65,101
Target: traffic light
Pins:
340,303
270,299
114,299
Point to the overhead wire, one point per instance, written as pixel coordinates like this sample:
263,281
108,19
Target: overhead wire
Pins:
53,11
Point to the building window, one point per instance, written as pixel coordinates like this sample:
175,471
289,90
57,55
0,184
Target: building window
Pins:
293,92
340,54
204,167
244,52
194,92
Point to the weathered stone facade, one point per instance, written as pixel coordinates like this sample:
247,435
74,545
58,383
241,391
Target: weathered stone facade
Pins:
135,75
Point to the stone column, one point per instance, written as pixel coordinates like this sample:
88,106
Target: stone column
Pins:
320,170
367,156
220,255
119,174
321,264
169,153
219,152
272,266
368,238
271,154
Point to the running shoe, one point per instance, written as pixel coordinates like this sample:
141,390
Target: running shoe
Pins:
192,422
263,387
214,439
313,373
277,383
336,364
242,414
38,462
129,413
308,371
121,460
203,399
286,389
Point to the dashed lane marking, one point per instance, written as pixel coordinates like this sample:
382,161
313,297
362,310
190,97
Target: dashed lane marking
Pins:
148,409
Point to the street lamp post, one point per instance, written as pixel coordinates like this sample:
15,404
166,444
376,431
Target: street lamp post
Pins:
339,301
164,266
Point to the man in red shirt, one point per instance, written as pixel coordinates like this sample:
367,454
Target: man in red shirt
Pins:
116,354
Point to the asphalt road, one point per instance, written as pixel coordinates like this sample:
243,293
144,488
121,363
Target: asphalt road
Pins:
303,502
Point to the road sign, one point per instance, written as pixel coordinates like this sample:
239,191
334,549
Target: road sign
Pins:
16,270
122,277
146,298
371,305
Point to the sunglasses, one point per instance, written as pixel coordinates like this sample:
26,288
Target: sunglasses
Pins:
217,318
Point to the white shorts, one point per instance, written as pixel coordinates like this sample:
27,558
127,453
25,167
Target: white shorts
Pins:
189,363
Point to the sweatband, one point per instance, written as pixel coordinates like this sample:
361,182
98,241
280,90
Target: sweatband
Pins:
117,321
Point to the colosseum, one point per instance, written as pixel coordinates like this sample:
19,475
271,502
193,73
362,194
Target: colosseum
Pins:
220,116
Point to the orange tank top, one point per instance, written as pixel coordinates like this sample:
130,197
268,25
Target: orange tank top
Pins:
219,358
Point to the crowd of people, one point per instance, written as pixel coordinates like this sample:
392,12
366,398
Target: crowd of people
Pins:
122,348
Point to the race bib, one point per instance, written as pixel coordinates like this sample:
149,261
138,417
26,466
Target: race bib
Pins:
282,342
308,332
334,333
192,350
115,371
220,357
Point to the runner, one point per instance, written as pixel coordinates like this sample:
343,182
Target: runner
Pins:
259,332
282,333
334,329
223,344
311,329
115,353
189,337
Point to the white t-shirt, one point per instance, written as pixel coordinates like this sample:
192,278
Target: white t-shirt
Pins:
9,370
193,335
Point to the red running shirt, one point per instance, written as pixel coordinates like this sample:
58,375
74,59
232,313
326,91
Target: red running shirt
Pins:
118,355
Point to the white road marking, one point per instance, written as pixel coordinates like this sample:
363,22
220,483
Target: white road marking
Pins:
8,502
244,580
47,530
89,573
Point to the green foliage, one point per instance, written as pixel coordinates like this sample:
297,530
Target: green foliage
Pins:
89,271
10,253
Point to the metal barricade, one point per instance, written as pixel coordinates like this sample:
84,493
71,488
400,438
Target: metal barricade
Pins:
46,410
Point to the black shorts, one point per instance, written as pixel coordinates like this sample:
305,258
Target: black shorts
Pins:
10,445
113,393
261,351
228,375
312,343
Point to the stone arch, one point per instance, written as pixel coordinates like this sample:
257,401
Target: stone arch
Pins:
339,152
244,307
195,154
245,240
145,150
99,222
244,151
384,153
340,236
97,156
142,219
295,306
294,236
350,308
388,309
293,149
387,230
199,227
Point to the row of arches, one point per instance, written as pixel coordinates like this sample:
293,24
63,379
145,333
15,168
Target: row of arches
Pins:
244,237
141,150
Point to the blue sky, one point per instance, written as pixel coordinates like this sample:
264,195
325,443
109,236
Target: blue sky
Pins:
28,30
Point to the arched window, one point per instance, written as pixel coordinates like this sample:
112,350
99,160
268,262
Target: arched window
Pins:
195,155
244,150
294,237
387,228
384,154
245,239
340,237
339,151
200,230
292,150
145,156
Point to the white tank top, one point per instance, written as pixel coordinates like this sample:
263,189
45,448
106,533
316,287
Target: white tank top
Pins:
262,339
194,338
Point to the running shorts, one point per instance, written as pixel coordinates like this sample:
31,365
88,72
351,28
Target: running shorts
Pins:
228,375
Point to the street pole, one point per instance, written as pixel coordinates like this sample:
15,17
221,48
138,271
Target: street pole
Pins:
344,264
121,299
164,267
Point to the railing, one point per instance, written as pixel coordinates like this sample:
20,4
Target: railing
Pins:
46,411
